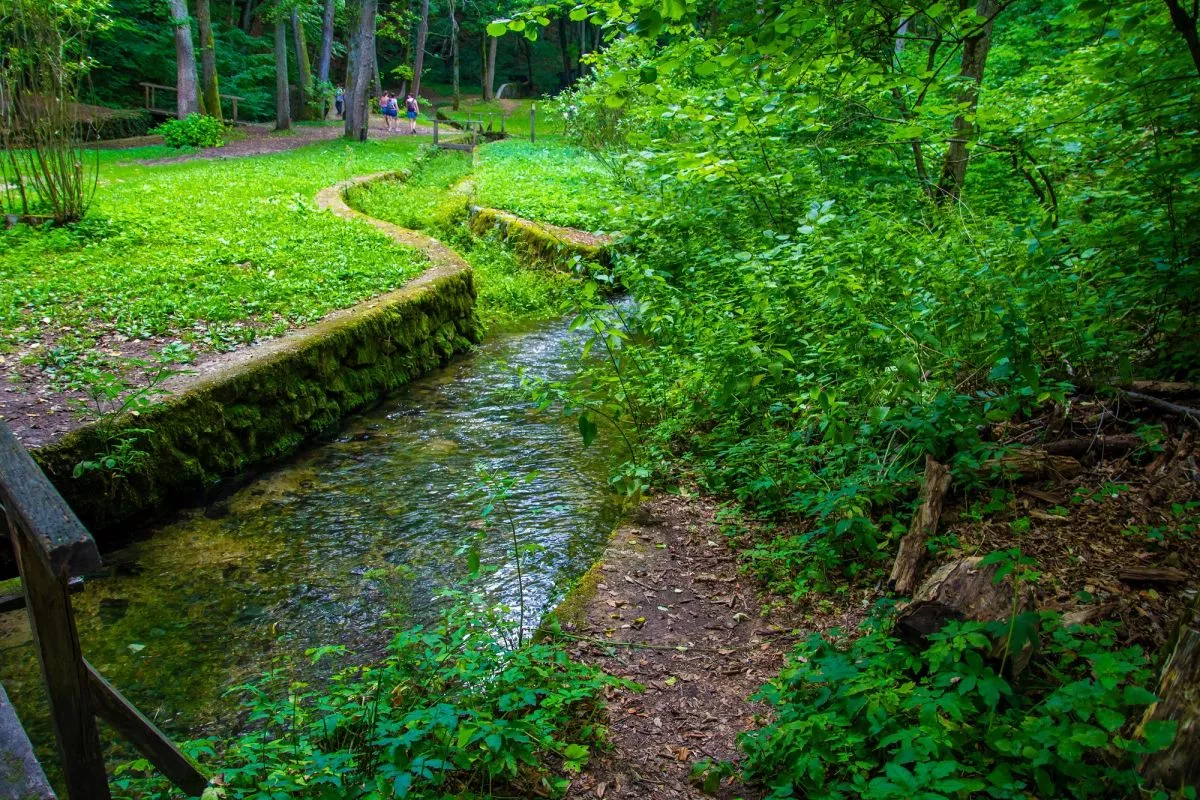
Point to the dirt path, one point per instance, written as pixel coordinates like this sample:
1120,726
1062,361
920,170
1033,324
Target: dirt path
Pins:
671,612
263,140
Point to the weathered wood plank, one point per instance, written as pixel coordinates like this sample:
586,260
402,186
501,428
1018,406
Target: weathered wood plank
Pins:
924,524
1178,766
35,506
21,776
57,645
144,735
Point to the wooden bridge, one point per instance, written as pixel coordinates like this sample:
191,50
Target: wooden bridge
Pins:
52,549
474,128
152,89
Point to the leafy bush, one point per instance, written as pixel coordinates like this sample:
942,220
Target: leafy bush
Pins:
197,130
449,711
879,719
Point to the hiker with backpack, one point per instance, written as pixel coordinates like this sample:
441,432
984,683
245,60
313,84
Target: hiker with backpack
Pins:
390,110
410,110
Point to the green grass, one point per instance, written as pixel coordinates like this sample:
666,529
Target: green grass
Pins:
212,252
548,182
549,121
420,202
508,291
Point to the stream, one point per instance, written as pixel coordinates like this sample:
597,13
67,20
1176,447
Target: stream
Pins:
321,548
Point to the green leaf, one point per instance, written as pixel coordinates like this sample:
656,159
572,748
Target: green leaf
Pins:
498,28
578,14
587,429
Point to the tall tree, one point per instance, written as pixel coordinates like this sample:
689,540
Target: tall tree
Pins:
1187,24
283,99
975,48
247,13
360,67
208,60
489,68
454,71
187,88
326,53
419,55
303,65
562,46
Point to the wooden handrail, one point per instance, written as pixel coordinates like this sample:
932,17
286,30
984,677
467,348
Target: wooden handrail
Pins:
34,505
52,547
173,89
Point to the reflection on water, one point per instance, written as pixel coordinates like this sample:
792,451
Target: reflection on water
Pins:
316,551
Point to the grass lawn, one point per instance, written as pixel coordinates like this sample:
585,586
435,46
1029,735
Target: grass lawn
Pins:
549,182
549,121
213,252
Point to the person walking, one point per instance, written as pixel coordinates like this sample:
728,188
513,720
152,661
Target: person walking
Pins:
339,102
410,110
390,110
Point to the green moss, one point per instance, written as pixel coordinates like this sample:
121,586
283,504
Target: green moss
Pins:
266,406
538,243
572,609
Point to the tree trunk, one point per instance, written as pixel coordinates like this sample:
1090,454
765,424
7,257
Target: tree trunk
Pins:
187,88
562,47
489,87
326,55
1186,23
303,65
376,76
419,55
208,60
359,68
924,524
283,100
1035,464
964,590
1178,766
454,70
247,13
974,57
527,51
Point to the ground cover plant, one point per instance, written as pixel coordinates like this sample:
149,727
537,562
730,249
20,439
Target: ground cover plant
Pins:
548,182
210,253
516,112
435,198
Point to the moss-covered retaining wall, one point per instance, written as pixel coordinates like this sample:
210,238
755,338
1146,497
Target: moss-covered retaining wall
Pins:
263,403
538,242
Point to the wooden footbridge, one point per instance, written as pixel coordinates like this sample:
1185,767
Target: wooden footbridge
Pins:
52,549
474,128
151,91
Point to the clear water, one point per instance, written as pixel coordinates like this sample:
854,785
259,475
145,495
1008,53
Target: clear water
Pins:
317,550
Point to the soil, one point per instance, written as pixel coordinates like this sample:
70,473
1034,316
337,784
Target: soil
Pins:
672,613
263,139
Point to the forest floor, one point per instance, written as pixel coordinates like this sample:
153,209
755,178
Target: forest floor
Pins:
674,611
261,140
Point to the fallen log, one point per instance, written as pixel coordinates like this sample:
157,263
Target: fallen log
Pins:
965,590
1100,446
1178,766
1165,388
1149,576
1174,408
924,524
1035,464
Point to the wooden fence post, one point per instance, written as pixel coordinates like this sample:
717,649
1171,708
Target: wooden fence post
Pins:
532,122
435,126
56,641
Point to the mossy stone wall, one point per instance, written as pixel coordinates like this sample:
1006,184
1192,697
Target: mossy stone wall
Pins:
276,397
537,242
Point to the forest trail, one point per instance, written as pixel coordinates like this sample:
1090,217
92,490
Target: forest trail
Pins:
262,140
671,612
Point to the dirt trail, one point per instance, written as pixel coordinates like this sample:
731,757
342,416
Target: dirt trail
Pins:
262,140
671,612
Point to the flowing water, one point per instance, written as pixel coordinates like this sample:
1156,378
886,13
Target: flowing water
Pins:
317,550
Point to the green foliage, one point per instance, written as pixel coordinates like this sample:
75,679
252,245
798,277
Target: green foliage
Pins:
214,253
547,182
197,130
449,711
879,719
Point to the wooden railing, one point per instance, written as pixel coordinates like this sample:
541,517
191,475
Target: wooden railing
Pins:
52,547
151,90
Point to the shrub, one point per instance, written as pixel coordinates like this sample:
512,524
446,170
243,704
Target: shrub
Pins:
449,711
196,130
880,719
